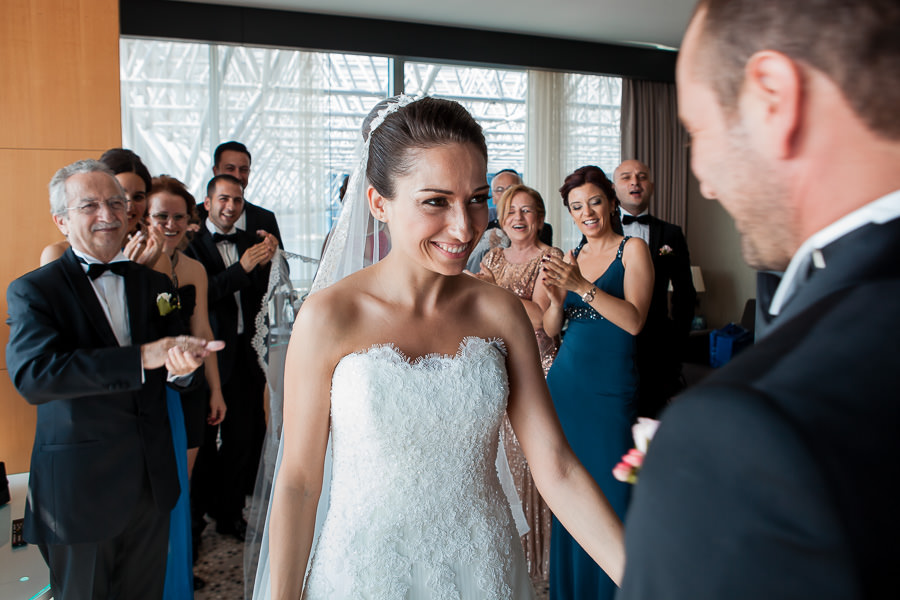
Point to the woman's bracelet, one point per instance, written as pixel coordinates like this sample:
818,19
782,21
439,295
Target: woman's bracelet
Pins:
588,296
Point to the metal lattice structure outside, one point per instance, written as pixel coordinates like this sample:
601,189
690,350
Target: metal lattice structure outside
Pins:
299,113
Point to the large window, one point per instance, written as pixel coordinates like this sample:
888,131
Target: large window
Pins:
495,97
299,114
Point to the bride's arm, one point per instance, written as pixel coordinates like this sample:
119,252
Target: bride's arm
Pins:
564,483
307,385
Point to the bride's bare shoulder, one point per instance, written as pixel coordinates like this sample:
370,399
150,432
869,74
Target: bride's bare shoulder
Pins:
334,309
488,294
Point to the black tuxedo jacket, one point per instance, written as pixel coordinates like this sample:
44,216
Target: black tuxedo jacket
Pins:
262,218
223,283
100,430
772,478
674,266
257,218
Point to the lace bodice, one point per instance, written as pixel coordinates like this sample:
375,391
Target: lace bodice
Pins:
416,506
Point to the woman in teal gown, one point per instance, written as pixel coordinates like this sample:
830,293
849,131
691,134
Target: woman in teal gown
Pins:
602,291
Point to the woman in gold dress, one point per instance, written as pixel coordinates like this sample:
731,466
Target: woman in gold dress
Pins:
517,268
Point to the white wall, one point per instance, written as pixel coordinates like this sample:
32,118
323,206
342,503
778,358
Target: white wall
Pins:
715,247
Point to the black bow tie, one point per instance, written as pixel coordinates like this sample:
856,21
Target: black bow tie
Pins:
95,270
629,219
225,237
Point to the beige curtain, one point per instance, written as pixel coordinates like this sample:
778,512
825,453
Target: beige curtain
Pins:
652,133
545,142
573,120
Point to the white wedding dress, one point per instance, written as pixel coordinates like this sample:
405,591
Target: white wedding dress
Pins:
416,506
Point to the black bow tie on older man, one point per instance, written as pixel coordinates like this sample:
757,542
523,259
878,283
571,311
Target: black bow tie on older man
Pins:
95,270
629,219
225,237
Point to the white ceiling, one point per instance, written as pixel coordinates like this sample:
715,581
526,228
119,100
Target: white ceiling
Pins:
645,22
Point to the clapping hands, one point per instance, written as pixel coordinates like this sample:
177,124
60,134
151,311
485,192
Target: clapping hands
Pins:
260,253
560,276
144,246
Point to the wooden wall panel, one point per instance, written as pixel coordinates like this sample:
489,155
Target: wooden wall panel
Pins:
60,103
26,226
60,72
17,429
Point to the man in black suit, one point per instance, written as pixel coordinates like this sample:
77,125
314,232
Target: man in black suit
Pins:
773,477
661,343
233,158
237,263
90,334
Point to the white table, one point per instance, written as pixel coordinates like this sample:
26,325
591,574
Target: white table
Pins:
23,572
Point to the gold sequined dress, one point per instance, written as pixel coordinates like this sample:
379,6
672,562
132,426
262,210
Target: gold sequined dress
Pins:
520,278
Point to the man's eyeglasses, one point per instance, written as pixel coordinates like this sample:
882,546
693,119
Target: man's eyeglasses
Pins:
91,207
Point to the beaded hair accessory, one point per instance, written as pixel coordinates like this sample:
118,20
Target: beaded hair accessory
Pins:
352,245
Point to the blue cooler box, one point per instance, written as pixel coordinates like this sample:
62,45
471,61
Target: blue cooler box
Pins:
725,343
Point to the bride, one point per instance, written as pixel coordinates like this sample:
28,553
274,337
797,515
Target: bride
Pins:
411,369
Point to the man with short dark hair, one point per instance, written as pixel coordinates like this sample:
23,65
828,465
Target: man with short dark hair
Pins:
238,269
771,479
233,158
660,345
91,347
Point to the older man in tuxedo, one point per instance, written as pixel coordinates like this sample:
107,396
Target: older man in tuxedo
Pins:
91,346
772,478
661,343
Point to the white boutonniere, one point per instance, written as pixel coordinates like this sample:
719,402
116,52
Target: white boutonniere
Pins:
666,249
166,304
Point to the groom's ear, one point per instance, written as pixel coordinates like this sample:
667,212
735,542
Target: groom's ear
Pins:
377,204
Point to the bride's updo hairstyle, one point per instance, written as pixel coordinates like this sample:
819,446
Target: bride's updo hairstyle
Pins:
424,123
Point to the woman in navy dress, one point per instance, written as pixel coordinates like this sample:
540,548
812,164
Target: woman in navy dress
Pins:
602,290
170,208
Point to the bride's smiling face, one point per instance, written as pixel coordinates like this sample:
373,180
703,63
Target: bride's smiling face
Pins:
440,207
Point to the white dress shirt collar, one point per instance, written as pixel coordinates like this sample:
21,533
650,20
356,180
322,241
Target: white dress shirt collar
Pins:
886,208
212,228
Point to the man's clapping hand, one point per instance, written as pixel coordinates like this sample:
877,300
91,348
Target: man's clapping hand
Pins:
180,355
260,253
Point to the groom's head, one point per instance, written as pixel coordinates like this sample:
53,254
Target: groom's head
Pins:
785,102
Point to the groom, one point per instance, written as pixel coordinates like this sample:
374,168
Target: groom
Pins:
772,478
89,340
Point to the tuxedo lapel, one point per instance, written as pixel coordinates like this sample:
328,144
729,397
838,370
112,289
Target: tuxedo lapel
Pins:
656,227
212,258
87,297
137,295
245,240
863,255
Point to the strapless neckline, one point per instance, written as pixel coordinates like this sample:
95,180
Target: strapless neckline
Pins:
468,345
